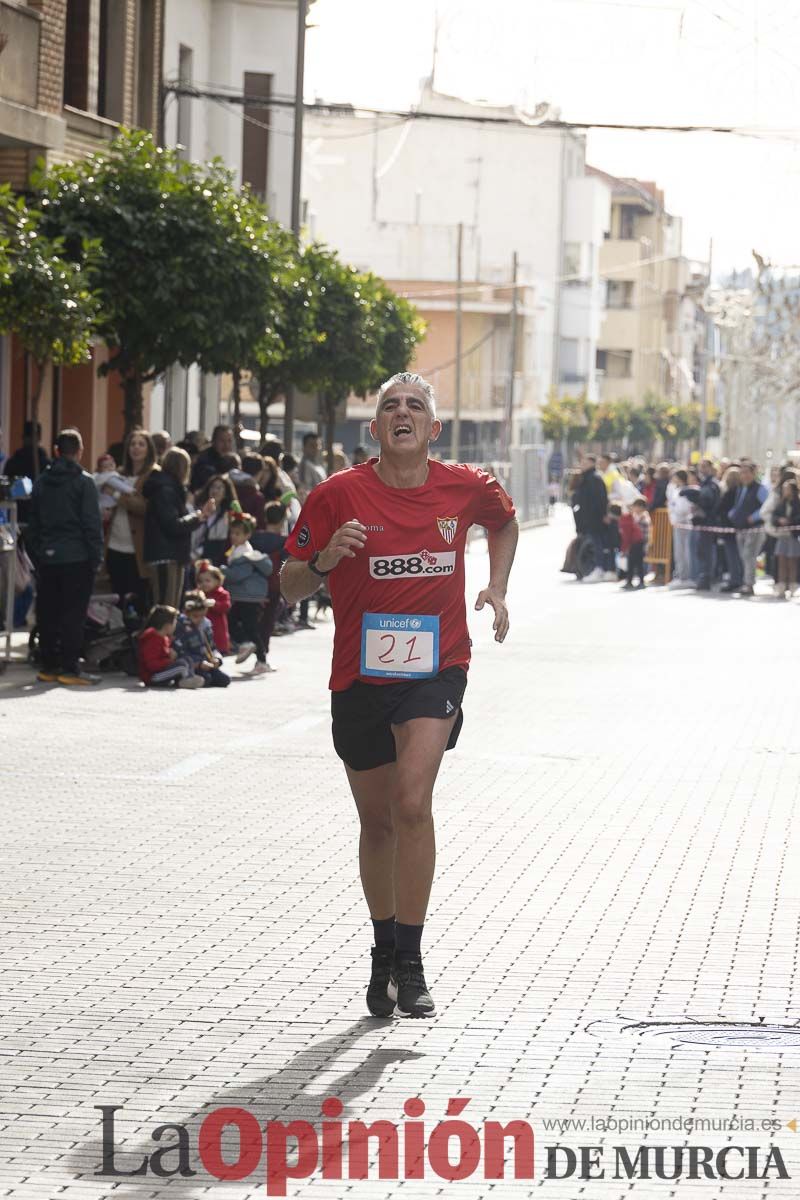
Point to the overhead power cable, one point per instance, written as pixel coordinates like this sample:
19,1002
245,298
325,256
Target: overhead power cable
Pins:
518,121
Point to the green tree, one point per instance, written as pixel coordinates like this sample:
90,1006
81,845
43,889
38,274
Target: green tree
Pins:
278,358
687,420
398,328
44,298
394,328
183,269
363,332
315,292
566,418
245,284
342,357
641,428
605,422
671,422
658,409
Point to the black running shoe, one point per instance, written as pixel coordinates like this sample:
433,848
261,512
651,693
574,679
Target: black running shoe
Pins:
378,1001
408,988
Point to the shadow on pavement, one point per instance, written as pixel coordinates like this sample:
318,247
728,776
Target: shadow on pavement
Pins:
287,1094
19,682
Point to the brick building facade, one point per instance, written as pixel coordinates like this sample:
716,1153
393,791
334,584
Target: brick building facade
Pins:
71,71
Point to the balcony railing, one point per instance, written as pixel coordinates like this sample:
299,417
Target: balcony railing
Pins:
20,29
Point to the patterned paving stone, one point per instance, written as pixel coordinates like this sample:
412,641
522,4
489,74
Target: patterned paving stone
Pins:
183,927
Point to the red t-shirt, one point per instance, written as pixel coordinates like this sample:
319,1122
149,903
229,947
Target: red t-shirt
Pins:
413,560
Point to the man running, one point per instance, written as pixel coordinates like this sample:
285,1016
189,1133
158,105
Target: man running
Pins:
389,535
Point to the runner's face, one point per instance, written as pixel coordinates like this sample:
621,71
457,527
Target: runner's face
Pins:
403,423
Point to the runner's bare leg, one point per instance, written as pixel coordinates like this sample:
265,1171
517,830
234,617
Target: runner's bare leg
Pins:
397,847
373,792
421,744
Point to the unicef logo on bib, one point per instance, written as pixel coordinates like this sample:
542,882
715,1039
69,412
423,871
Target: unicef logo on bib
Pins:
415,623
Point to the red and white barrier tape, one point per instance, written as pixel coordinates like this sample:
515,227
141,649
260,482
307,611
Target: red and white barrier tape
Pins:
728,529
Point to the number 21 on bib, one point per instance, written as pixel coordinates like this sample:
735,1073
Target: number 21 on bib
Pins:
399,645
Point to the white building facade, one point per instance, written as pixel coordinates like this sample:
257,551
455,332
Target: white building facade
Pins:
236,48
390,195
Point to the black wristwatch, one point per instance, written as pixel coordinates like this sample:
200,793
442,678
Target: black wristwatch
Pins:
312,565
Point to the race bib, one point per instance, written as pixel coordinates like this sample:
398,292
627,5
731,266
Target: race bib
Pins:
399,645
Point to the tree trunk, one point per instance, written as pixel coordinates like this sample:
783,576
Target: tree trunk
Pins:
329,409
237,404
36,397
264,398
133,411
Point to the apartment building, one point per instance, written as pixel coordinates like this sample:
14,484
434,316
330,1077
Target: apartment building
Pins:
649,328
390,196
71,71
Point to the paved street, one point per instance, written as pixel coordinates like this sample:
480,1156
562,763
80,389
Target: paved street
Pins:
183,927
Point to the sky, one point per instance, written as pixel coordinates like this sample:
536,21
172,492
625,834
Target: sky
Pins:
730,62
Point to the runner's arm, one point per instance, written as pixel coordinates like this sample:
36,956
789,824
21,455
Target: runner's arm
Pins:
298,580
502,546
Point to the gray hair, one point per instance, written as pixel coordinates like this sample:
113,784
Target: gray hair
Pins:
411,380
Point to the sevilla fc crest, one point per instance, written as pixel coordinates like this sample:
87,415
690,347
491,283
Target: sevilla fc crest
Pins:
447,528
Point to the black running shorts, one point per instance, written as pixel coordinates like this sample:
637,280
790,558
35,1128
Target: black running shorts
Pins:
364,713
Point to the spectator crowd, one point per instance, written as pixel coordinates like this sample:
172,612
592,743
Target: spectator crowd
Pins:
724,520
175,548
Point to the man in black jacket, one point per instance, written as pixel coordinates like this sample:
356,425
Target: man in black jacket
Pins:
23,463
65,541
590,506
706,498
213,460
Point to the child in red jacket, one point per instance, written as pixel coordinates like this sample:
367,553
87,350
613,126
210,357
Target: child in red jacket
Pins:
159,665
209,581
634,532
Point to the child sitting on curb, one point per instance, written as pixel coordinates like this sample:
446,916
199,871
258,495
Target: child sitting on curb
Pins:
247,579
159,664
209,581
194,640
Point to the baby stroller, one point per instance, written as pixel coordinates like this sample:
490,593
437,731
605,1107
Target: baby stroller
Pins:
109,637
579,559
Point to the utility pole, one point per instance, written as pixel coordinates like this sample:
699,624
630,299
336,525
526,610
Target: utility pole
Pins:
508,432
709,332
455,437
297,145
297,170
